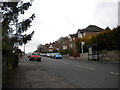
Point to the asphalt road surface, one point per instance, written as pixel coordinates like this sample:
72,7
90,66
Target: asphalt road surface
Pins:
67,73
84,74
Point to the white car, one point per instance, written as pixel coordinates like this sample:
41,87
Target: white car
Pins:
29,54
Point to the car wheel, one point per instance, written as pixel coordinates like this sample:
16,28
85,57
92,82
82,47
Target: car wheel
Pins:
30,59
39,60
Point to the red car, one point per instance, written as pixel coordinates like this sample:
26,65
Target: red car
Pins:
35,56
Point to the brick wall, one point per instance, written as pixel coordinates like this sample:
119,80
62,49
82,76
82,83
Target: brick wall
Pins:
91,33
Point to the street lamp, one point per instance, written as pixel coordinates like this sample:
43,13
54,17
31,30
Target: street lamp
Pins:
82,43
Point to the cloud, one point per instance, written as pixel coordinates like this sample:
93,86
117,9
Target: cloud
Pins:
57,18
107,13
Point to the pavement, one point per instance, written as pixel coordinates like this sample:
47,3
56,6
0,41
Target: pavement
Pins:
29,76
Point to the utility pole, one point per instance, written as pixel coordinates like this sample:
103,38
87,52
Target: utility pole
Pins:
24,48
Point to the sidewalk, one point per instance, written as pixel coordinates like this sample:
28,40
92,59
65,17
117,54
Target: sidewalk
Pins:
27,75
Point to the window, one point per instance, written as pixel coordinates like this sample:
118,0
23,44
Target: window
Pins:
73,38
70,39
80,35
84,33
71,45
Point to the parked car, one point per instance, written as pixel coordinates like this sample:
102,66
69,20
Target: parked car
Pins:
48,54
58,56
35,56
53,54
29,54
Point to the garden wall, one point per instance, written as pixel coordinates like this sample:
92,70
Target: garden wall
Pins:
109,55
104,55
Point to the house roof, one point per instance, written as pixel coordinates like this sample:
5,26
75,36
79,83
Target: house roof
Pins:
65,39
51,47
107,28
93,28
80,30
73,35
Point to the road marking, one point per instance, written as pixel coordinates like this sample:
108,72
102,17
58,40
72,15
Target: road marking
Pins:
65,62
86,67
115,73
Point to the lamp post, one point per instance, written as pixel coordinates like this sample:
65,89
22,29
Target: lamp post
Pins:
82,43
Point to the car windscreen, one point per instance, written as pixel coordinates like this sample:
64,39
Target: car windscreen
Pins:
35,54
59,55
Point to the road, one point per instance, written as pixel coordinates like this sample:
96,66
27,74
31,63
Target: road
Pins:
66,73
84,74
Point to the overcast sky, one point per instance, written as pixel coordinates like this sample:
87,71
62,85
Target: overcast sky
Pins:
59,18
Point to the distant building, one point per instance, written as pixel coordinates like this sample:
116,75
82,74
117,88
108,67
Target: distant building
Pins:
51,48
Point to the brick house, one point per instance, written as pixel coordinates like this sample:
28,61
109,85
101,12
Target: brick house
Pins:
43,48
72,40
89,31
56,45
69,42
51,48
65,43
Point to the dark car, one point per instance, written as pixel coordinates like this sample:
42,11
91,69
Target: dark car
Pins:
58,56
35,56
